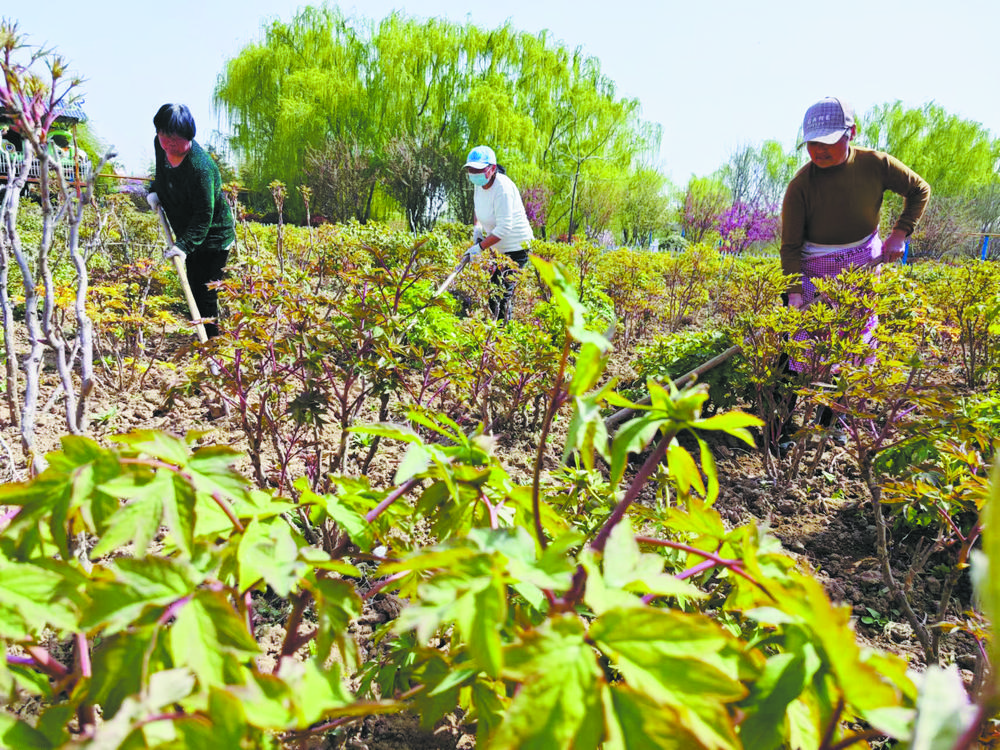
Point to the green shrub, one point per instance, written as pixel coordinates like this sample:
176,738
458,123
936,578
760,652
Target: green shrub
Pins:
670,357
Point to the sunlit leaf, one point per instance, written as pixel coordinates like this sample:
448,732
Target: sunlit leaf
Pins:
637,722
587,432
268,552
627,568
157,444
683,469
632,437
139,520
416,459
206,636
32,597
944,711
15,733
782,681
559,703
589,366
337,604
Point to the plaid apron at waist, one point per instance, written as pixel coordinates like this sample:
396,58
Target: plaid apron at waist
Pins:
834,261
830,264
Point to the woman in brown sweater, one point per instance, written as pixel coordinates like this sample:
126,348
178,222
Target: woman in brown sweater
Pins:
830,214
831,211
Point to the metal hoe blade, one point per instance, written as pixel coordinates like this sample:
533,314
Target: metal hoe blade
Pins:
451,278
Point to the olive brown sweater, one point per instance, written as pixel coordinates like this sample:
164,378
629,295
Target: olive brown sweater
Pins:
841,205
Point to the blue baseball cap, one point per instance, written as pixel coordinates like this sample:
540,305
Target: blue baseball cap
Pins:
480,157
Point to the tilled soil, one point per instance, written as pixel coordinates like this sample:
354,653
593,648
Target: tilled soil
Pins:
824,520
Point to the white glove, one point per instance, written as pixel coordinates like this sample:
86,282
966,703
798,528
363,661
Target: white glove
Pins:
477,234
794,299
474,252
153,200
174,252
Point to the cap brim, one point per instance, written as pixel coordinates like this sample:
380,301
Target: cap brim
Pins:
476,164
827,138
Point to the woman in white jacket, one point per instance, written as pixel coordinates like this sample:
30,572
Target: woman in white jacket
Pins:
501,223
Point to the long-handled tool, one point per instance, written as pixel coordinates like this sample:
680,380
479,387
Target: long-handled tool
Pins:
182,275
452,276
188,294
614,421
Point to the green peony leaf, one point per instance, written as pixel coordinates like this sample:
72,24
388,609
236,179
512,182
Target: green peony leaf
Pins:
337,604
317,691
632,437
683,469
587,432
267,551
944,711
559,704
782,681
118,663
589,367
686,661
416,460
21,735
732,423
138,583
167,448
206,636
31,598
637,722
179,514
627,568
140,519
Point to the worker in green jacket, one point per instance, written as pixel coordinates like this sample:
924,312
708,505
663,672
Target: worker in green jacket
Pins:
188,185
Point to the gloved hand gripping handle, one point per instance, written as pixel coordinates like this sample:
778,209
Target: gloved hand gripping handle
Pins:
181,273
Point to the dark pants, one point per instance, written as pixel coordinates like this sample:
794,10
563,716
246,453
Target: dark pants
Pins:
504,281
824,414
205,265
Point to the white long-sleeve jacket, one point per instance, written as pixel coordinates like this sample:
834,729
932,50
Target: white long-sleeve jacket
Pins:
500,211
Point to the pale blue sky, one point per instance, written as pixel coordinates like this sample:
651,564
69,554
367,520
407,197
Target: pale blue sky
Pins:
716,75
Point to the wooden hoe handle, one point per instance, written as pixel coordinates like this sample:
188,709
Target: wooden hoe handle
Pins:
182,275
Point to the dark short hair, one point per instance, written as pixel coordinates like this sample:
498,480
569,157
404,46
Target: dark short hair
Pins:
175,119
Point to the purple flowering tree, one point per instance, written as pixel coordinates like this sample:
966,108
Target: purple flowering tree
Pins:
536,201
744,224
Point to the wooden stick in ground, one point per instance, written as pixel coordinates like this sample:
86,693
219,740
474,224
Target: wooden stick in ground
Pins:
621,416
182,275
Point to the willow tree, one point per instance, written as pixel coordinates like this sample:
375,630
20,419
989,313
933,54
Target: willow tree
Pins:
959,159
953,154
323,79
589,123
646,212
292,91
